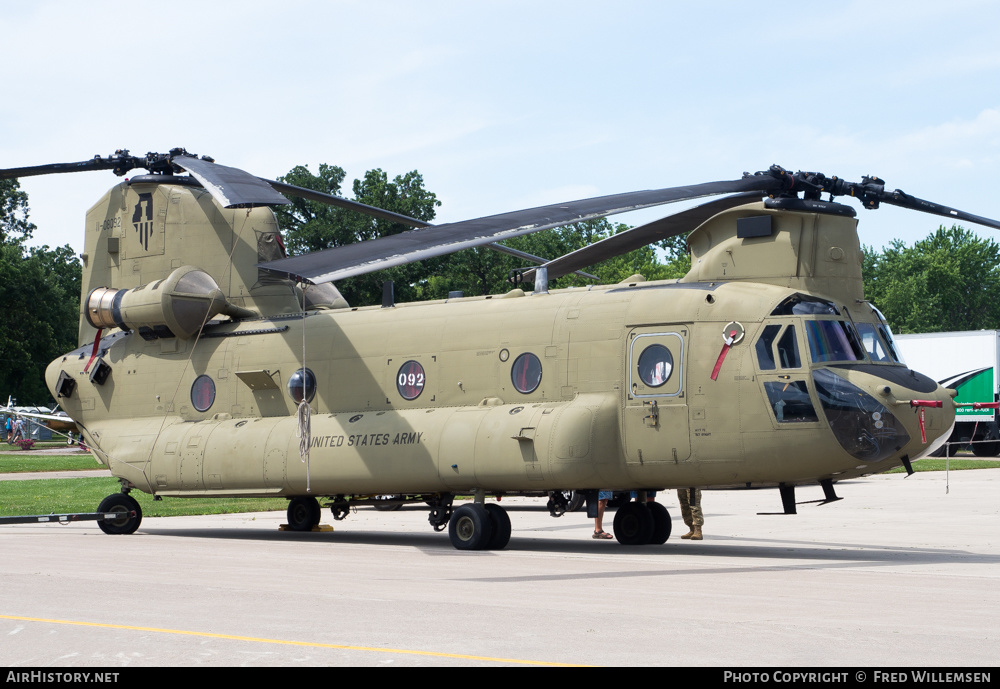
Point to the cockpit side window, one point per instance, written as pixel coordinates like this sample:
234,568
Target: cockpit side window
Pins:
765,357
788,349
790,401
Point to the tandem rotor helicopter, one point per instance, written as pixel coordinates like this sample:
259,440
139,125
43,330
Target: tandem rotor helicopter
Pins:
210,364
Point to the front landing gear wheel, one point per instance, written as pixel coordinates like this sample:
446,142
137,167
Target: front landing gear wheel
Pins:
501,527
470,528
123,504
661,523
634,524
303,513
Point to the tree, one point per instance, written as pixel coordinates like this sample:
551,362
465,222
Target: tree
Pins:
14,225
310,226
485,271
946,282
39,301
39,316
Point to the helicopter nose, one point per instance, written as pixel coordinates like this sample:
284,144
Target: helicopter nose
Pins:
868,429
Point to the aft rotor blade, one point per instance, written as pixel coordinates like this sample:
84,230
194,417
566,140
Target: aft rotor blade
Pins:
122,164
341,202
638,237
331,200
415,245
230,186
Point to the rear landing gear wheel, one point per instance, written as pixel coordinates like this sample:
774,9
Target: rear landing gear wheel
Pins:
634,524
122,504
470,528
303,513
661,523
501,527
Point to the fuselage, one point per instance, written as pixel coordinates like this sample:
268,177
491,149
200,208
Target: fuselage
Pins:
636,385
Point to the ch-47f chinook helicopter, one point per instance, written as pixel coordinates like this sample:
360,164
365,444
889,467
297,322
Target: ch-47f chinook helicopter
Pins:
212,365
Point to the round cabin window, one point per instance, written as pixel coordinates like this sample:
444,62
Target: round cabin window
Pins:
302,385
526,373
202,393
655,365
410,380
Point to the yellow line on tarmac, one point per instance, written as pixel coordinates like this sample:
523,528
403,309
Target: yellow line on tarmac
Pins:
182,632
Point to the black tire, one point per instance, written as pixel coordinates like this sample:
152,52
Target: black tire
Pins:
661,523
633,524
989,448
470,527
126,524
303,513
500,522
576,501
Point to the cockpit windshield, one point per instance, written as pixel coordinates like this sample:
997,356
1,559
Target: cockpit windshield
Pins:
832,333
886,333
833,341
876,348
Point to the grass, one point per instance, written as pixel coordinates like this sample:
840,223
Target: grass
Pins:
71,495
20,462
954,464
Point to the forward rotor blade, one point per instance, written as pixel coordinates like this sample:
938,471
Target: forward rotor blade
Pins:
415,245
637,237
524,256
899,198
230,186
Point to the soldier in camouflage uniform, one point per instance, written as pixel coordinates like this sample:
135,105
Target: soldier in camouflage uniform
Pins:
690,499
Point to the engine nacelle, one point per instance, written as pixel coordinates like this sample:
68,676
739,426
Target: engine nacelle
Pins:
176,306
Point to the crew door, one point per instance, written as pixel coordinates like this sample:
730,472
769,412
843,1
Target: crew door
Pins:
655,421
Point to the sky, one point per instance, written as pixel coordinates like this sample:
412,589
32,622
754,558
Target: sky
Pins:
509,105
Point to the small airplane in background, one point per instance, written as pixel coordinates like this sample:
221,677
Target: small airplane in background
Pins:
53,419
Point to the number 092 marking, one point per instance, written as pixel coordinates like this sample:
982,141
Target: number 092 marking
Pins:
410,380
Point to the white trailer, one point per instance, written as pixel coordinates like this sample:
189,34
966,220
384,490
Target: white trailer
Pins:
968,361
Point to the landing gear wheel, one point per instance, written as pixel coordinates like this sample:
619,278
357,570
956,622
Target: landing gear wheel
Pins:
120,503
557,504
387,503
661,523
303,513
576,501
633,524
986,448
470,527
501,527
